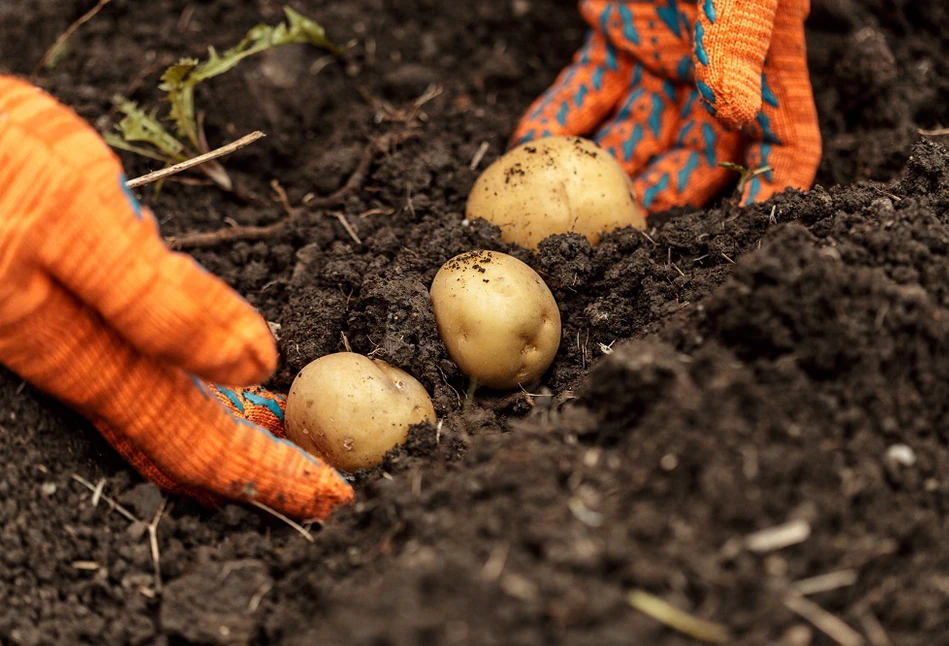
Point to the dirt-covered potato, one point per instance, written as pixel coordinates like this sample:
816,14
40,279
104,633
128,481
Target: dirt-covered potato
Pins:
497,318
555,185
351,410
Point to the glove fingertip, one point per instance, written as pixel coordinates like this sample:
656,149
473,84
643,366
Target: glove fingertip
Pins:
240,352
733,99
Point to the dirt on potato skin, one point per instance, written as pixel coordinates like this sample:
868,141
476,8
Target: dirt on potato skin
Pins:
779,354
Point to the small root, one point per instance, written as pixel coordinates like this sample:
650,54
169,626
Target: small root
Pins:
256,233
469,395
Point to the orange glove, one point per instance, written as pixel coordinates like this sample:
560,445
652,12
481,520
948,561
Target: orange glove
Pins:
673,88
96,311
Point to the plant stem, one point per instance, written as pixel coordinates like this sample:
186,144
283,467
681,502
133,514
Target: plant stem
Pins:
197,161
469,395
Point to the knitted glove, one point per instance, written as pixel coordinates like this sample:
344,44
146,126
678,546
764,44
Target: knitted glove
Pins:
673,88
96,311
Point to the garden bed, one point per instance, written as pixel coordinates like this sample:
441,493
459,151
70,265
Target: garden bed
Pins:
730,372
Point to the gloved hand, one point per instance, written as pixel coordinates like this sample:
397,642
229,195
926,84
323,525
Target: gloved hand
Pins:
96,311
672,88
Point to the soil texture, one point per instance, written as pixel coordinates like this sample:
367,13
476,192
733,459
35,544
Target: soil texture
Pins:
730,372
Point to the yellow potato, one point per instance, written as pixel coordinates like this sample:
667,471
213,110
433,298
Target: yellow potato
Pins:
497,318
351,410
555,185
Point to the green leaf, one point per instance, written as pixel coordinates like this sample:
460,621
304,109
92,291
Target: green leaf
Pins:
180,80
296,30
305,30
137,125
181,98
58,55
175,74
116,141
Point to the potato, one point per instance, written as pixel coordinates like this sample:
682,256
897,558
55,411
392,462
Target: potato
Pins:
497,318
555,185
351,410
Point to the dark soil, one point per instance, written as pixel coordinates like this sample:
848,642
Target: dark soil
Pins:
788,362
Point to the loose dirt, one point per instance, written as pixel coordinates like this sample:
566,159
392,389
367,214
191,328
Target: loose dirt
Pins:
734,371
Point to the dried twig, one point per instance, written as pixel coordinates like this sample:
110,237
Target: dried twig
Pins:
479,155
66,35
777,538
827,623
153,542
89,566
97,493
494,567
282,198
676,619
358,177
112,503
895,198
252,233
152,527
236,231
349,228
386,112
262,591
875,632
276,514
213,238
375,212
196,161
432,92
825,582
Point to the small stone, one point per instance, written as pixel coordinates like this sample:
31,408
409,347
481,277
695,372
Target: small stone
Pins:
142,500
519,587
901,454
136,530
799,635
